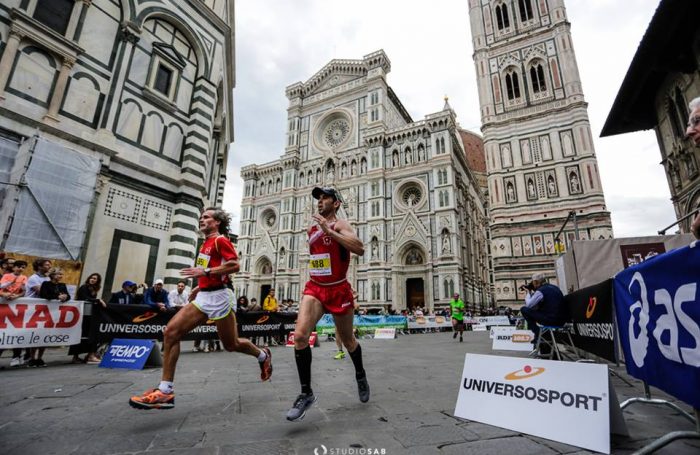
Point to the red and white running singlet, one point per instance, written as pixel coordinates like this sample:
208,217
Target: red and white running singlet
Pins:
214,251
328,259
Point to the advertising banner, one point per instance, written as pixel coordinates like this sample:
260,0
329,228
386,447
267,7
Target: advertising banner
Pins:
385,334
29,322
657,304
142,322
488,320
428,322
591,311
509,339
129,354
539,397
326,326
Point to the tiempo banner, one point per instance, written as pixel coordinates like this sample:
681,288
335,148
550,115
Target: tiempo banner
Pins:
657,304
538,397
30,322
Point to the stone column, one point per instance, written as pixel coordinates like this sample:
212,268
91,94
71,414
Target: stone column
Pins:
8,57
59,90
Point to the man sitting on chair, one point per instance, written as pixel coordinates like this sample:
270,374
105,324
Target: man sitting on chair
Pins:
544,304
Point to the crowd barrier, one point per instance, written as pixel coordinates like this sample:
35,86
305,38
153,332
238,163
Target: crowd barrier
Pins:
364,323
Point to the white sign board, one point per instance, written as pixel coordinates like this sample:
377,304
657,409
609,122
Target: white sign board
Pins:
385,334
506,329
479,327
29,322
509,339
489,320
539,397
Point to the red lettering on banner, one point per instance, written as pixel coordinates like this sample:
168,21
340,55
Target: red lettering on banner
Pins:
63,317
41,314
6,314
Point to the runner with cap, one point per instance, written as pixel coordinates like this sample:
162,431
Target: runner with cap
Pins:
331,241
216,260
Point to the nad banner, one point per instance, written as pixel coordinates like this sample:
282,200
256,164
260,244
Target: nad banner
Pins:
591,311
326,325
141,322
539,397
657,304
27,322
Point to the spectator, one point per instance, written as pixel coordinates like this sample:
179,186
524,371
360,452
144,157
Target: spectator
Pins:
6,265
13,284
179,297
270,302
156,297
87,292
41,269
126,296
544,304
51,289
242,304
254,305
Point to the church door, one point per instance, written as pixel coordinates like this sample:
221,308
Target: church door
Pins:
414,293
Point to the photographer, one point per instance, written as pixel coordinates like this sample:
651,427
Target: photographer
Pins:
544,304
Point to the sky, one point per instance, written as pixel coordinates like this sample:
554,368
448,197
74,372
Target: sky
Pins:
280,42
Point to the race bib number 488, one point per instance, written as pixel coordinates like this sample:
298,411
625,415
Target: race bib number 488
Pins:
320,264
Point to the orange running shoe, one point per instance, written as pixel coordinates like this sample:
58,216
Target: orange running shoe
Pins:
266,366
153,399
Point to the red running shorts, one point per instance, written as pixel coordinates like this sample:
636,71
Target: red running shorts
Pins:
336,299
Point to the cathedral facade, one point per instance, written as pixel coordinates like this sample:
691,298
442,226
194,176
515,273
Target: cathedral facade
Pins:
407,188
542,167
115,121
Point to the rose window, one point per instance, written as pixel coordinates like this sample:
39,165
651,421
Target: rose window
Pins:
336,132
268,218
412,196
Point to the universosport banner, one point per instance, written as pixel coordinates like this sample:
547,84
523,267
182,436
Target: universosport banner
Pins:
28,323
591,311
658,315
326,324
142,322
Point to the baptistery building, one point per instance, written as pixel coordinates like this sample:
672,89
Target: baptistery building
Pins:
412,190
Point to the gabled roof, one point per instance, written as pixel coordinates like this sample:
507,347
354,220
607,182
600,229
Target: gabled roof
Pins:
665,48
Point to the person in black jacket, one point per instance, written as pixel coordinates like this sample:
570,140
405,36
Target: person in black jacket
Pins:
87,292
544,304
53,289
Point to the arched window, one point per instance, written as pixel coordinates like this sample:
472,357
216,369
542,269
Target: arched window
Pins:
539,83
525,7
502,19
512,85
673,118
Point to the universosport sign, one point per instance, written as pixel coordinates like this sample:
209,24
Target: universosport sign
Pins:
538,397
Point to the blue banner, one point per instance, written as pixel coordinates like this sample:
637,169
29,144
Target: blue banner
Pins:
657,304
130,354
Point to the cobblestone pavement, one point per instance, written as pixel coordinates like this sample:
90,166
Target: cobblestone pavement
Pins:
223,408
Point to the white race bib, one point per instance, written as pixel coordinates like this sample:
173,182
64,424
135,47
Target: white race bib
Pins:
320,264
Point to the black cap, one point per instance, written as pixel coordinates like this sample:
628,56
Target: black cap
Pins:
328,191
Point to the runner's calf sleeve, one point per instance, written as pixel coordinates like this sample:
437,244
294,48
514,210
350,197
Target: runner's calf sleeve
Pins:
303,359
356,357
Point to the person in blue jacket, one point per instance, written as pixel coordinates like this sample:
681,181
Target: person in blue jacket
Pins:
157,297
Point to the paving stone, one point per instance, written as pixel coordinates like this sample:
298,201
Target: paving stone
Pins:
500,446
430,435
258,448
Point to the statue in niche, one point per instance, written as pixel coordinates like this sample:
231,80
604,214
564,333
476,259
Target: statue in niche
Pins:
363,166
690,165
330,174
343,170
507,162
510,192
530,189
575,185
446,243
395,159
421,154
266,268
375,248
353,168
281,259
551,186
409,159
546,153
525,145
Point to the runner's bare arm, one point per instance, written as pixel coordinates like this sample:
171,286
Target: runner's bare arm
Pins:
231,266
345,235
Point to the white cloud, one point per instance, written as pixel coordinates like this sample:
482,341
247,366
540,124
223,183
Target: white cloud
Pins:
429,44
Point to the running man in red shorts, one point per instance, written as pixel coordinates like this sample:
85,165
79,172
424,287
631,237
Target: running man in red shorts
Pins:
330,243
216,260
